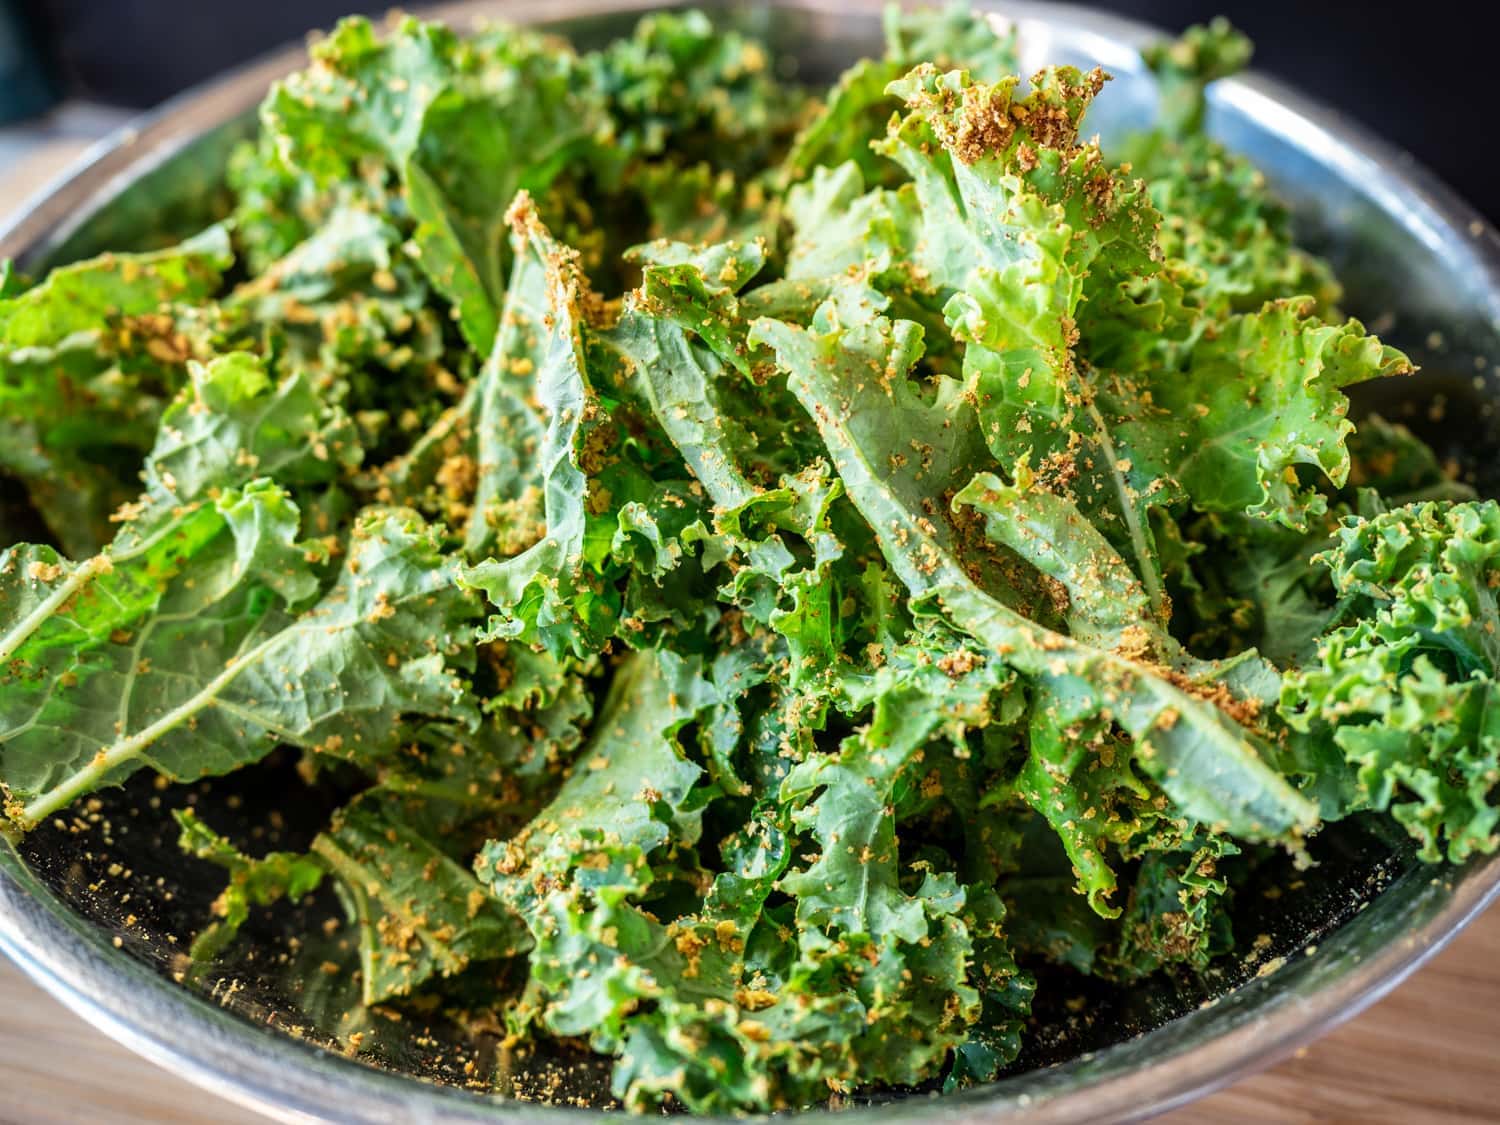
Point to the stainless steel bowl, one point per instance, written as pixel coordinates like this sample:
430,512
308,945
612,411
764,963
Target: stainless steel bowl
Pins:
1419,265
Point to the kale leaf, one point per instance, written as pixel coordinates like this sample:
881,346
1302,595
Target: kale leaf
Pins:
755,571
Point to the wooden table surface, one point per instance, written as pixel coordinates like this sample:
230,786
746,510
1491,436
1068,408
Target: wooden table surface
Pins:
1428,1053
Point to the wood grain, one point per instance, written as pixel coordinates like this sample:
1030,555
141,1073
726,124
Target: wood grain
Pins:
59,1071
1429,1052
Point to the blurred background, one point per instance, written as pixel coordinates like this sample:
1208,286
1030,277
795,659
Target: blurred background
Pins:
1419,75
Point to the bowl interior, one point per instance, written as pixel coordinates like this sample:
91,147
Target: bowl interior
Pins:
107,877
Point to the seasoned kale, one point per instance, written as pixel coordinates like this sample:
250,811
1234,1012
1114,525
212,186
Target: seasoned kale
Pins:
762,571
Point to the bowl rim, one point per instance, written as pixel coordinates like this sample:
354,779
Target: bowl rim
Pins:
294,1081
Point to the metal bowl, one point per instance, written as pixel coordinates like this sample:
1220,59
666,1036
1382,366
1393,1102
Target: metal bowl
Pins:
99,911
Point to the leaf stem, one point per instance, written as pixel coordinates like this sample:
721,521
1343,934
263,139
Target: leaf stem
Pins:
80,576
75,581
92,775
1145,563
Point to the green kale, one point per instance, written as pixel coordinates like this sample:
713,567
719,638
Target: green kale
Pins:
757,572
252,882
417,912
1403,690
88,359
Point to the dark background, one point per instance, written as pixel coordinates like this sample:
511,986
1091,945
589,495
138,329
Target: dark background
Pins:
1420,75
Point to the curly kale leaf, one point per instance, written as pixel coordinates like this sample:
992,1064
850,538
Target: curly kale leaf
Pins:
212,673
846,125
88,296
1405,692
546,592
854,113
252,882
633,527
87,360
840,229
1238,582
680,87
1013,199
1177,913
203,634
417,913
1185,66
1022,223
951,37
610,840
349,309
1229,243
1081,775
1257,400
630,787
1230,237
727,1004
463,124
479,145
676,335
508,429
896,448
1061,237
855,909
